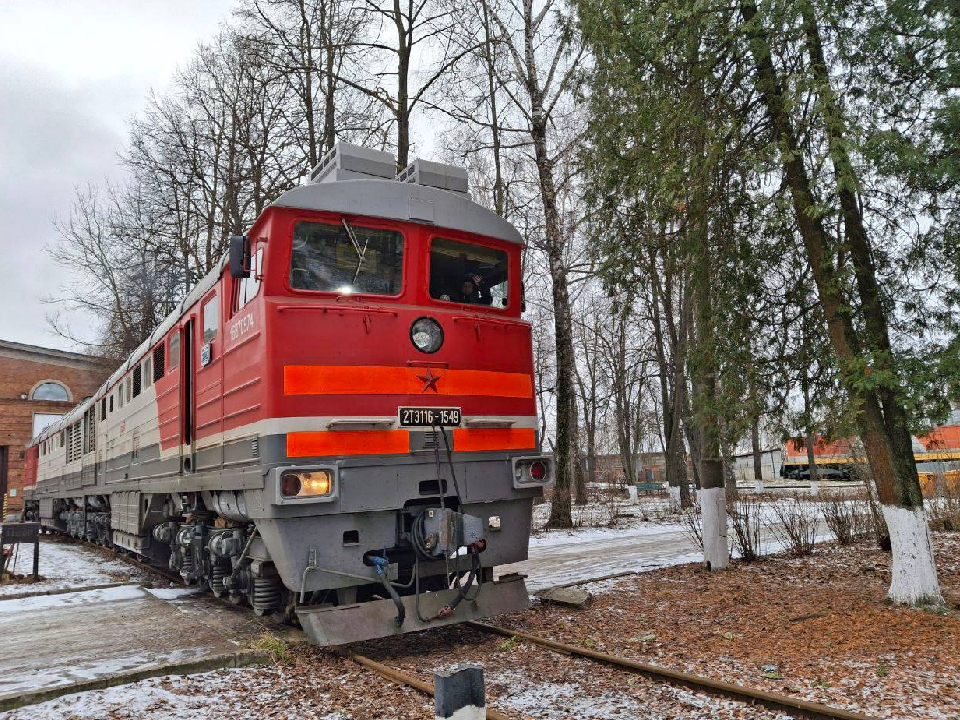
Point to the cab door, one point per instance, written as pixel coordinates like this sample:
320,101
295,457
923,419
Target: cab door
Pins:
187,398
208,386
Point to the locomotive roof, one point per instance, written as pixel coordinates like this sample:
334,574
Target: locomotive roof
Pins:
395,200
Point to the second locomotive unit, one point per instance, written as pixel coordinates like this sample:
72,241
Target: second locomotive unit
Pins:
338,423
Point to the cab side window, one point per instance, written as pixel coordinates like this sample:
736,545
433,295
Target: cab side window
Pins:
211,319
248,287
174,349
468,273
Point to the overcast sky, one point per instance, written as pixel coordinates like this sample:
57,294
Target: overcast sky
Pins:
71,74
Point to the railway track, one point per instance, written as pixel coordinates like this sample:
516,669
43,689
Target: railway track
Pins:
794,707
751,696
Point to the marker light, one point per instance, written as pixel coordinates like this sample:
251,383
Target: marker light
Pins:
314,483
532,472
426,335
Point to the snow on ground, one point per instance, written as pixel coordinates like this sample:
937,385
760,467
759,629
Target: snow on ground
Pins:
156,698
647,537
67,565
51,640
19,606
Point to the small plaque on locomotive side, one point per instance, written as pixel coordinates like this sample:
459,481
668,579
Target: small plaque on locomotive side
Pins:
429,417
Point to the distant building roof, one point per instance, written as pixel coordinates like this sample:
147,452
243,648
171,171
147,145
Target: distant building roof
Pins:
8,347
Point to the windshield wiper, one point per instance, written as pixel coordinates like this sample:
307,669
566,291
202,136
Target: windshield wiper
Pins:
361,252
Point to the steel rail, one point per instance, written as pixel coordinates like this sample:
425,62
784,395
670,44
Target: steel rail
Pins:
401,678
774,701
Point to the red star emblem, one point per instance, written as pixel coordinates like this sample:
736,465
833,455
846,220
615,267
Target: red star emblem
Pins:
429,381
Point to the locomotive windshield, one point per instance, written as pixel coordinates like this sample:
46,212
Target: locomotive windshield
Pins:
467,273
346,258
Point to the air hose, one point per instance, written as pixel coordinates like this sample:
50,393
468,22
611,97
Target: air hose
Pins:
380,563
462,590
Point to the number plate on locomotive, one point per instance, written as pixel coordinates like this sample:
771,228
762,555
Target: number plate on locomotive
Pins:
429,417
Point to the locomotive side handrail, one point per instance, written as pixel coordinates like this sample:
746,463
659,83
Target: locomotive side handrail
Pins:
337,308
355,423
488,320
490,422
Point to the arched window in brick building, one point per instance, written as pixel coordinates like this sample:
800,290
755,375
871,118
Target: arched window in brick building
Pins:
50,390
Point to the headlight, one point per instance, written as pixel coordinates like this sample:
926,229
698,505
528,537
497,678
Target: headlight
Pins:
306,484
426,335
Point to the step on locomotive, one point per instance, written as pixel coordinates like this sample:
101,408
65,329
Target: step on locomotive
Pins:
338,423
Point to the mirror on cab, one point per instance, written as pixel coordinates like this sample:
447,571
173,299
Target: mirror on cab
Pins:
239,256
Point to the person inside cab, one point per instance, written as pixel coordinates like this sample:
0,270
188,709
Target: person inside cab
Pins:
472,290
467,274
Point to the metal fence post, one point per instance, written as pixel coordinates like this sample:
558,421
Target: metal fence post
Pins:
459,693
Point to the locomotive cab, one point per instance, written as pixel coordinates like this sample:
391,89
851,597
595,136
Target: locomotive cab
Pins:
404,376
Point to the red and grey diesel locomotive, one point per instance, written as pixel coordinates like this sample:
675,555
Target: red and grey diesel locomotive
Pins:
338,424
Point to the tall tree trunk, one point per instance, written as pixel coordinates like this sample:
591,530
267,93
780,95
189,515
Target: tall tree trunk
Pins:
499,193
579,479
329,105
881,417
730,491
592,453
564,458
402,109
757,454
712,495
691,429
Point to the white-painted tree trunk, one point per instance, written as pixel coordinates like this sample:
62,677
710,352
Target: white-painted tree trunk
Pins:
632,493
674,491
759,486
914,575
814,487
713,510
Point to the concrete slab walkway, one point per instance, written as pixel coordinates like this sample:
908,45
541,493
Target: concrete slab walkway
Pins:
57,640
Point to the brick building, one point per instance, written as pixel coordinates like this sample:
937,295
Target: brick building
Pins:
37,385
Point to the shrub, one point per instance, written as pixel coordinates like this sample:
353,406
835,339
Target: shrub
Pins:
878,525
745,518
795,525
848,516
693,525
943,509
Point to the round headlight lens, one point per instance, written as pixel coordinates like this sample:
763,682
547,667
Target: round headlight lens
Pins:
426,335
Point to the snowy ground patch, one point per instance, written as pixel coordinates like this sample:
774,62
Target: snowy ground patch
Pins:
157,699
67,565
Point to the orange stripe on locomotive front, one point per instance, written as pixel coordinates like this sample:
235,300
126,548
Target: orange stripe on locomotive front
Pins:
347,442
378,380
